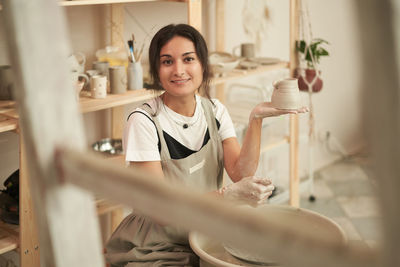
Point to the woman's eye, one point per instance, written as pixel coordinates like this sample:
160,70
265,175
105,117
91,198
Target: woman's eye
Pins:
166,62
188,59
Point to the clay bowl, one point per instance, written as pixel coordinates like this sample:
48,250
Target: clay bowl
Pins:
320,225
222,62
215,253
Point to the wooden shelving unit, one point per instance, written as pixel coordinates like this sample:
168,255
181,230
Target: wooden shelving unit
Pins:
293,138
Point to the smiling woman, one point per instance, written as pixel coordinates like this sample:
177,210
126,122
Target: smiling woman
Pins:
186,140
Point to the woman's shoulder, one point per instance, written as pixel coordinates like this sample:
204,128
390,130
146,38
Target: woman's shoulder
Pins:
218,107
216,104
147,109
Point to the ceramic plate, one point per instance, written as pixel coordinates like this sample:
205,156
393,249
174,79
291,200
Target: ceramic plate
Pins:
247,64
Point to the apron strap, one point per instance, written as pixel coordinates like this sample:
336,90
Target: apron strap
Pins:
210,117
164,153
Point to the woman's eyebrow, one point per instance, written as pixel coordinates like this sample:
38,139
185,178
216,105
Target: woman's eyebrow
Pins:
184,54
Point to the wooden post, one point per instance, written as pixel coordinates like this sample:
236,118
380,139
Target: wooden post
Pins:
380,87
289,239
117,113
294,197
220,41
28,233
68,226
117,31
194,14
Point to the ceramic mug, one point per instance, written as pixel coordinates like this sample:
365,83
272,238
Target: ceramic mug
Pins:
79,81
135,76
98,86
77,62
286,94
246,50
101,67
118,79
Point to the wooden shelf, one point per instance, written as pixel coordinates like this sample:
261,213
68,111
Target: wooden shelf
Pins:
8,116
242,73
7,124
9,237
88,104
102,2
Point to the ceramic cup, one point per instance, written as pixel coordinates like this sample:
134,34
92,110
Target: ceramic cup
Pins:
76,77
91,73
246,50
77,61
98,86
101,67
135,76
118,79
286,94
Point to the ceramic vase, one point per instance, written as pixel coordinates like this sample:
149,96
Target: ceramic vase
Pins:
286,94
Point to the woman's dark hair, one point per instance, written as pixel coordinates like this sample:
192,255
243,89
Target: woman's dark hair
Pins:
163,36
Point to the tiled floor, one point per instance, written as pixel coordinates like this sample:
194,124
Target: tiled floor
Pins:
345,191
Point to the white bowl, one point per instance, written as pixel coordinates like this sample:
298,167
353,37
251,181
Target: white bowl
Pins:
222,62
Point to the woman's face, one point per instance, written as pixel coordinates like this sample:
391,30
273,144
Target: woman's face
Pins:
180,70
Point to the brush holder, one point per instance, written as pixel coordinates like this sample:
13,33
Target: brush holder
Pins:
135,76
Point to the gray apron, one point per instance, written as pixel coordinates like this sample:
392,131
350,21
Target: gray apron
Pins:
138,240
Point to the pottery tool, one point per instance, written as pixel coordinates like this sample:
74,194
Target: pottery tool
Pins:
130,44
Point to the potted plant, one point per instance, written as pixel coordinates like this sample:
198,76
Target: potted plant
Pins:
314,49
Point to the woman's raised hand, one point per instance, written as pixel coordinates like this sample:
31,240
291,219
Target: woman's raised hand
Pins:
266,109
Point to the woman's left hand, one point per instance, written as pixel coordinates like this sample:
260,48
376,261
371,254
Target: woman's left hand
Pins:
266,109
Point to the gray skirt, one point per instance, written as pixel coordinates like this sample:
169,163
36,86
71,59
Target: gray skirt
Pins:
139,241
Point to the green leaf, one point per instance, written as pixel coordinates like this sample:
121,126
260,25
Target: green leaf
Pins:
301,46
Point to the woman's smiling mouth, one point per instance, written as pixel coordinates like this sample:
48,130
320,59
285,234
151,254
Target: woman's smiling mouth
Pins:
180,81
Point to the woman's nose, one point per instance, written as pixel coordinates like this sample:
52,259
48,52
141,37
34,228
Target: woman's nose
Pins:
179,68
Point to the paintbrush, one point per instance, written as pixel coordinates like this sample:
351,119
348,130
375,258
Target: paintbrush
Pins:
130,44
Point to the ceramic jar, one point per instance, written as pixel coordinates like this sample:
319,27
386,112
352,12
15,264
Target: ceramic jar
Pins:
286,94
135,76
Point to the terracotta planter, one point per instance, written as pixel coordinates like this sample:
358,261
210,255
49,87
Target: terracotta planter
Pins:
309,76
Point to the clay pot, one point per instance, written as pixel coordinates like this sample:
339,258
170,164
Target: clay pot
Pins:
286,94
309,75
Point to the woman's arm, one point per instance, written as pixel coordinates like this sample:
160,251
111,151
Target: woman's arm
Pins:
243,162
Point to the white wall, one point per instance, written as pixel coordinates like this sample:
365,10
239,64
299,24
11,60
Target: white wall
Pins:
337,106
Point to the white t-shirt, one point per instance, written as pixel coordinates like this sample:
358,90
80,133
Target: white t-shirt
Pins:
140,135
